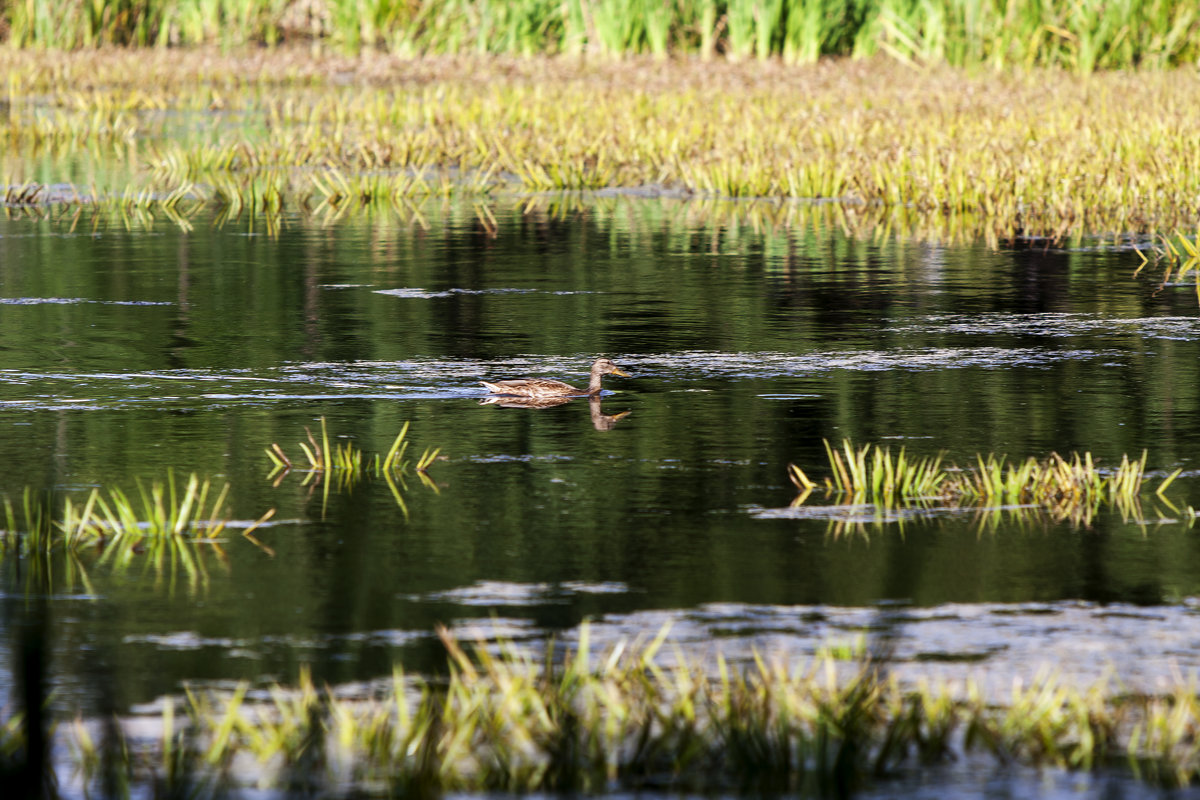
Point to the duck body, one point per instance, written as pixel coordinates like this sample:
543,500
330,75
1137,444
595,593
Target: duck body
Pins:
534,387
547,387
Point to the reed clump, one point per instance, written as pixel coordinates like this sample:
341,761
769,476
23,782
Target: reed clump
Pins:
584,722
159,510
165,525
345,465
1069,487
345,458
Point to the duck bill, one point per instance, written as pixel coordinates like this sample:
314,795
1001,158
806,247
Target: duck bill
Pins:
622,374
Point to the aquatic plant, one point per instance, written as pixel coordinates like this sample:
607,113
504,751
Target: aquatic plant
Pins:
1000,155
1068,487
581,722
346,464
344,457
1179,254
165,527
164,512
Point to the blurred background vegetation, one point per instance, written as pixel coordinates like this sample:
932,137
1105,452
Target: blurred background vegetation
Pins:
1083,35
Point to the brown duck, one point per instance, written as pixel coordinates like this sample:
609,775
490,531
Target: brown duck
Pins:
545,387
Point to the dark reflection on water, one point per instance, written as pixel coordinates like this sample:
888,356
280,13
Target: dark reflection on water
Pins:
126,353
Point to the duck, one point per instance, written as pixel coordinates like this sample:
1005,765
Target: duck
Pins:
545,387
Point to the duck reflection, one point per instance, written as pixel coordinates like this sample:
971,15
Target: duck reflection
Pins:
600,420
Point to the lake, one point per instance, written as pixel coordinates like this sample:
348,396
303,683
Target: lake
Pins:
752,332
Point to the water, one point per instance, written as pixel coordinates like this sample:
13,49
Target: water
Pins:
125,353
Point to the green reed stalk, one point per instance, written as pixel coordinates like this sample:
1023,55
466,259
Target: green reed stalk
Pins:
1068,485
1083,36
587,722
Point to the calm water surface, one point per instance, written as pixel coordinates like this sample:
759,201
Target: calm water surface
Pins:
125,353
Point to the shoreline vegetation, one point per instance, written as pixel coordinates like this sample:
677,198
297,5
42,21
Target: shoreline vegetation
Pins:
1081,36
272,131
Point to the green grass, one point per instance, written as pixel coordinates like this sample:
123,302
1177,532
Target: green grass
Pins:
345,464
174,529
164,527
998,155
1178,255
594,722
1082,36
1068,487
344,457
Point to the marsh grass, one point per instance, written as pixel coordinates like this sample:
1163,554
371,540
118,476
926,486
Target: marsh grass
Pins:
1069,488
164,528
1013,154
159,510
577,721
1178,254
345,465
344,457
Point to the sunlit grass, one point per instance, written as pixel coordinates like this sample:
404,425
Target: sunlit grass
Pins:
1069,487
1082,36
620,719
1177,254
321,457
160,510
165,527
1032,154
344,464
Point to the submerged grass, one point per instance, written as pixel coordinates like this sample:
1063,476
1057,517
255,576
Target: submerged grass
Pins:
1068,487
592,722
1041,153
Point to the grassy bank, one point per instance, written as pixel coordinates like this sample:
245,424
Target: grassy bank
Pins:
1082,36
1033,154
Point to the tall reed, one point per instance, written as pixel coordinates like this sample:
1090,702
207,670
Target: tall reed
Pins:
1083,35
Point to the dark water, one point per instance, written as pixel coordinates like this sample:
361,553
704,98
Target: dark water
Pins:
127,352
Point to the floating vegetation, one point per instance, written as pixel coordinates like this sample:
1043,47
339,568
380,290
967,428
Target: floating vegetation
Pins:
346,458
584,722
1069,488
346,464
163,512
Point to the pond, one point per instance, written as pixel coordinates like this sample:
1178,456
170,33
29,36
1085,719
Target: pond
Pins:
130,351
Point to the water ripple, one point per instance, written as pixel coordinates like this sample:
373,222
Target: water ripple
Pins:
1052,324
459,378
